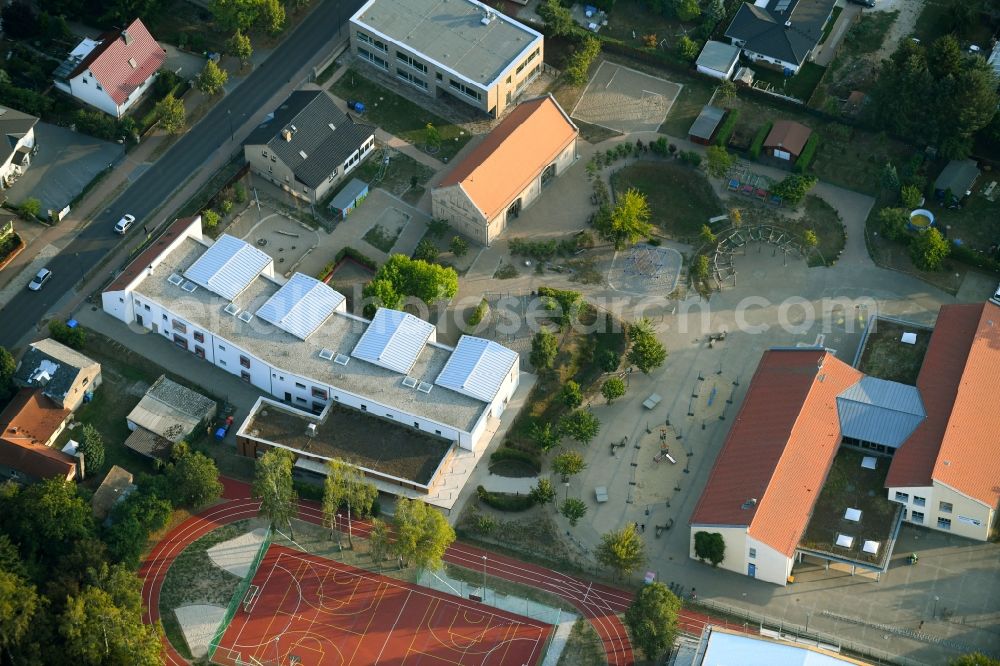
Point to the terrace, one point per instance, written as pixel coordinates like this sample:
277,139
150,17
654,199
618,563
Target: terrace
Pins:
883,354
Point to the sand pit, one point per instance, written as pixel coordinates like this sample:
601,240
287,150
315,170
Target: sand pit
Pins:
236,555
198,623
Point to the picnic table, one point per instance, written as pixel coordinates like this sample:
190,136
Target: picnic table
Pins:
601,493
652,401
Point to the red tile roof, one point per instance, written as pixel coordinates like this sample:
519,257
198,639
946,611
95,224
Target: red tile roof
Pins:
779,449
788,135
111,61
27,423
956,444
513,154
147,256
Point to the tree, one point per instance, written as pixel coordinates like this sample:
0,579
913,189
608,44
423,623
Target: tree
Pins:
425,281
272,16
30,207
132,521
709,546
580,425
701,267
719,161
544,435
272,485
706,236
628,222
458,246
543,492
19,20
193,476
426,250
910,196
974,659
422,534
62,333
736,217
558,19
929,250
568,463
794,188
890,177
544,347
652,619
51,519
7,368
170,114
686,10
573,509
687,48
432,137
645,351
892,222
612,389
608,360
577,68
809,238
345,485
92,448
19,602
379,541
621,550
383,294
239,47
212,78
571,395
726,92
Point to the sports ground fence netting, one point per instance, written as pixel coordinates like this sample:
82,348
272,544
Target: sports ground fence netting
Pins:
240,595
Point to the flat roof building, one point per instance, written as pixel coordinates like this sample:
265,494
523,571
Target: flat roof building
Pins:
461,47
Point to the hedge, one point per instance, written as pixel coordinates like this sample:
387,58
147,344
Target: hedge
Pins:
727,128
356,256
505,501
807,154
479,313
973,258
510,453
758,139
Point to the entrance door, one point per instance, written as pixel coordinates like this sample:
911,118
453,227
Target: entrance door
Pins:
138,319
752,570
156,329
514,210
288,396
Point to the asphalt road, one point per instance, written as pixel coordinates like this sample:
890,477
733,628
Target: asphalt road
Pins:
171,170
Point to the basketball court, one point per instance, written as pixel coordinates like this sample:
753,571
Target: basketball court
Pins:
303,609
626,100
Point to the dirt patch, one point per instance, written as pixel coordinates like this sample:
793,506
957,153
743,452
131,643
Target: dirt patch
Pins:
583,648
349,278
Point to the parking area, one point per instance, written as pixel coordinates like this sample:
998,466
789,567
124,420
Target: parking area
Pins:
625,100
63,166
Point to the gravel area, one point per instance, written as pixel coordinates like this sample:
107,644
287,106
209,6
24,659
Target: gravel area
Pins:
909,10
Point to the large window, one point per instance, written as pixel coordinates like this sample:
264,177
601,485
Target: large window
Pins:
244,361
319,393
917,517
179,326
465,90
410,78
902,497
373,59
379,44
199,336
919,501
944,523
409,61
945,507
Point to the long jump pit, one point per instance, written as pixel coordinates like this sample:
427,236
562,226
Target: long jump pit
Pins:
305,610
626,100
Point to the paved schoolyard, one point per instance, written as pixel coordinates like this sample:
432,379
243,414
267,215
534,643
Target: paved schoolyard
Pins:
277,233
64,164
625,100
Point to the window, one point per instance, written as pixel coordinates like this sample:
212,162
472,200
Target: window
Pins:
416,424
199,351
222,362
318,407
944,523
245,376
465,90
301,386
919,501
199,336
222,348
300,400
438,76
945,507
902,497
365,39
437,432
146,307
364,408
319,393
374,59
410,62
164,317
179,326
389,416
180,341
753,553
86,380
244,361
508,80
410,78
917,517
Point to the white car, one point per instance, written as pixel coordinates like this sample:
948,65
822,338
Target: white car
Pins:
124,224
39,280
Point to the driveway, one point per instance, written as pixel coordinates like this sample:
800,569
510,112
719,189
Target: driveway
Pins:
829,48
65,163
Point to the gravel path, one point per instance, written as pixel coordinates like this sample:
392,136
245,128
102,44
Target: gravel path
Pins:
909,10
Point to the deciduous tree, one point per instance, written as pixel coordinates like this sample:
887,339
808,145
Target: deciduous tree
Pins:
577,69
929,250
422,534
612,389
701,267
621,550
544,435
170,114
558,19
239,47
193,476
568,463
543,492
379,541
345,485
718,161
580,425
425,281
19,602
794,188
272,485
652,619
645,351
573,509
571,395
458,246
628,221
212,78
706,236
891,222
544,347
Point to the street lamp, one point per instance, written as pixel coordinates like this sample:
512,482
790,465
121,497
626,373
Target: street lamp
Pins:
229,115
484,579
808,617
936,599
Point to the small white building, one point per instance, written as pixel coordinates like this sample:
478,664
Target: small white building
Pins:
113,72
18,133
508,170
718,60
295,340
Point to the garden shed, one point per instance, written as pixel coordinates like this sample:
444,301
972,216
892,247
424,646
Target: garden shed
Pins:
706,125
718,59
349,198
958,178
786,140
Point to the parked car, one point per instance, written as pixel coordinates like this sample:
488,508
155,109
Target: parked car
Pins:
124,224
39,280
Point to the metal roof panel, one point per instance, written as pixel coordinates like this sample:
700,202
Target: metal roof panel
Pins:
228,266
301,305
393,340
477,368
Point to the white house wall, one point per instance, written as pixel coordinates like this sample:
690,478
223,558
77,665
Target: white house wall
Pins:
736,546
963,513
27,141
86,88
714,73
770,565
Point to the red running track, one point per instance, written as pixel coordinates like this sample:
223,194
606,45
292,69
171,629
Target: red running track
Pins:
334,614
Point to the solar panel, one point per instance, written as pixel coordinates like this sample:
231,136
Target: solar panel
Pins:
326,354
409,382
175,279
232,309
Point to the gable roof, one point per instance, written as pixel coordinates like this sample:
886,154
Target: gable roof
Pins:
788,135
52,367
323,139
14,125
513,154
228,266
171,410
780,448
764,29
477,368
26,424
393,340
301,305
122,61
880,411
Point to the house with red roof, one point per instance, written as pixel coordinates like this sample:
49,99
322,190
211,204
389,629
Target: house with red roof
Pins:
113,72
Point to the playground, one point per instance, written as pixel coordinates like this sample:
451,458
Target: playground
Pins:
646,269
625,100
274,231
302,609
742,180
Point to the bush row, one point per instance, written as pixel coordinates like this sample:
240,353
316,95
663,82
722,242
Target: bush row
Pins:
356,256
807,154
505,501
727,128
758,140
510,453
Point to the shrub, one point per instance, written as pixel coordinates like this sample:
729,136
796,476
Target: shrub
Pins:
807,154
71,337
929,250
356,256
578,65
505,501
30,207
690,157
477,315
458,246
727,128
510,453
757,145
426,251
209,218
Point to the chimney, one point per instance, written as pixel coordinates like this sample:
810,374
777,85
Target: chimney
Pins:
127,38
286,134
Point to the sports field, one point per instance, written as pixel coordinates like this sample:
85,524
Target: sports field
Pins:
303,609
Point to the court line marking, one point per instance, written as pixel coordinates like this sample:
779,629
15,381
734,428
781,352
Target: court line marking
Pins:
392,630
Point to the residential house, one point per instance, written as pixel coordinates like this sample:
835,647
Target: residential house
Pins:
786,140
718,60
294,339
780,33
62,374
507,170
462,48
956,181
113,72
167,414
29,427
18,132
706,125
308,145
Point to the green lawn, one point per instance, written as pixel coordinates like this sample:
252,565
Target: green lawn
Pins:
829,24
680,198
800,86
397,177
822,218
975,224
398,115
693,96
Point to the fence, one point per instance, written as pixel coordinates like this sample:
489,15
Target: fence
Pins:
238,595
